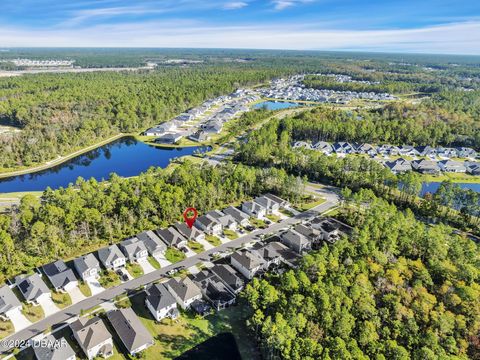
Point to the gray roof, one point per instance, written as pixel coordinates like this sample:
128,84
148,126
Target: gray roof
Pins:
247,259
265,202
129,328
276,199
307,231
184,288
424,165
55,350
86,262
207,220
294,237
237,214
31,286
399,165
8,300
253,206
90,332
224,219
450,164
59,274
159,297
132,246
186,231
152,241
228,275
109,254
170,236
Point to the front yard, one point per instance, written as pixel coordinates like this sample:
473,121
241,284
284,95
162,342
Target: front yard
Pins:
232,235
174,255
154,262
213,240
259,224
274,218
109,279
134,269
84,288
6,328
33,313
308,204
62,300
195,246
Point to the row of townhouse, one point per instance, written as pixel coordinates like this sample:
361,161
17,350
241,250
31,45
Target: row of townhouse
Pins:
387,150
423,166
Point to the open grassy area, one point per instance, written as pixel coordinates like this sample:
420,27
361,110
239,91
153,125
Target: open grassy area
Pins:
62,300
195,246
213,240
84,288
309,204
150,140
109,279
154,262
174,255
453,177
258,223
273,218
33,313
174,337
232,235
134,269
6,328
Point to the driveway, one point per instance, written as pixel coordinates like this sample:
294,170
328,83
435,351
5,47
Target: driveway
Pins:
205,244
95,286
48,306
223,239
189,252
19,320
146,266
193,270
76,295
162,260
125,272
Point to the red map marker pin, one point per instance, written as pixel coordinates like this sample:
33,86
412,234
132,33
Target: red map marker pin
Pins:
190,215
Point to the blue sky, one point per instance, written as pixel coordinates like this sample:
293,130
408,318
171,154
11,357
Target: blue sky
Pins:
435,26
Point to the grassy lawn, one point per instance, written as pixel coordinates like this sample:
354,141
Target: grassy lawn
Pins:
135,270
195,246
308,204
154,262
453,177
33,313
174,337
273,218
62,300
258,223
287,213
109,279
213,240
6,328
232,235
84,288
123,303
174,255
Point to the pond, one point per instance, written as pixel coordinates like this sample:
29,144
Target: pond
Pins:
277,105
125,156
220,347
432,187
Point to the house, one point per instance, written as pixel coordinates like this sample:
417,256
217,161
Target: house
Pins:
93,337
160,302
425,166
426,151
229,277
87,266
270,205
9,303
213,126
162,128
227,221
192,233
61,277
169,138
111,257
199,136
473,168
214,290
408,150
281,202
239,216
331,229
171,237
32,288
247,263
302,144
465,152
152,242
185,117
388,150
446,152
134,249
209,224
324,147
313,235
343,148
132,333
185,291
295,241
399,166
50,348
366,149
452,166
254,209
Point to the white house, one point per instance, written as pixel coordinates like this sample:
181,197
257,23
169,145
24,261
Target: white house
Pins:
185,291
160,302
93,337
254,209
247,263
111,257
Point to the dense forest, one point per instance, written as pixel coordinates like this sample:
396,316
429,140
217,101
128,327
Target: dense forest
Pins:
71,221
270,146
59,113
398,289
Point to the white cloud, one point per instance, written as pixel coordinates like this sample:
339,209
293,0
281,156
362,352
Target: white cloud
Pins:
456,38
235,5
283,4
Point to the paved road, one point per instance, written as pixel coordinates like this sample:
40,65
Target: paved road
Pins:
74,310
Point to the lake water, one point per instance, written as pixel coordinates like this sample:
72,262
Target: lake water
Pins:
432,187
125,156
276,105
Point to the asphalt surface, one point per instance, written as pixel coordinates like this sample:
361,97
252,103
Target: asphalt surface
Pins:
74,310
